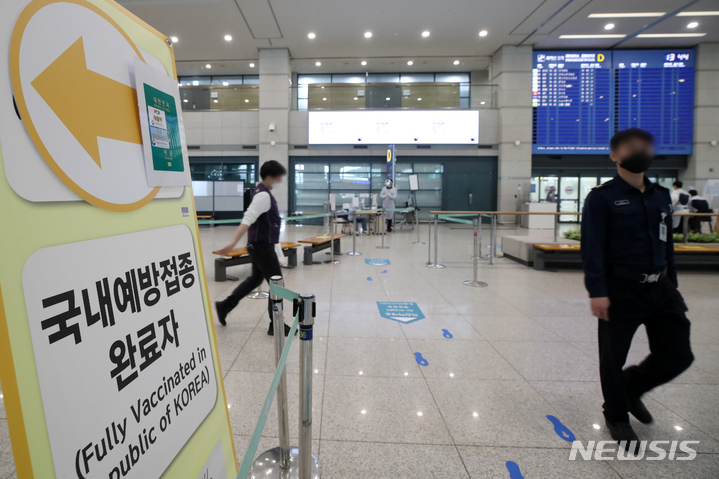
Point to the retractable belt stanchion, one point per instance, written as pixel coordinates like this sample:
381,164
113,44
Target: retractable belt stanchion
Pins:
436,230
332,252
258,293
384,230
493,238
556,227
474,282
430,264
416,219
309,466
282,415
354,251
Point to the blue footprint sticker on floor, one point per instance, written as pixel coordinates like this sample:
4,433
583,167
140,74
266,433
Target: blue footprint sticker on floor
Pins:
513,469
447,334
369,279
420,360
561,430
383,272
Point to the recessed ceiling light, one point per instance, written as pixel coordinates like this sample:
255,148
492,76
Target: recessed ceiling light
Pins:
252,65
208,66
363,411
387,99
355,98
698,14
363,63
318,64
608,26
228,38
246,100
174,39
324,99
456,62
419,99
310,36
483,33
580,37
670,35
693,25
216,101
482,102
425,33
626,15
475,414
410,63
368,34
185,100
419,413
195,82
224,83
678,428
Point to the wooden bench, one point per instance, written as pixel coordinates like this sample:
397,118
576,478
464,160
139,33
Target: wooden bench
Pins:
240,256
318,243
684,254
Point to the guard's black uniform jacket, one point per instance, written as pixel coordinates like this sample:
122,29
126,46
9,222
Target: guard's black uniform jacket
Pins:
621,229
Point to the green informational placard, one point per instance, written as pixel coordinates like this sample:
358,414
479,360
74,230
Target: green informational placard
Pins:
164,130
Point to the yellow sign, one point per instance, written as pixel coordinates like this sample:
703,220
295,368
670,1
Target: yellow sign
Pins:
600,57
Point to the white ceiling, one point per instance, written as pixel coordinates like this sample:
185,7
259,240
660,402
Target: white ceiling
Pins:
396,27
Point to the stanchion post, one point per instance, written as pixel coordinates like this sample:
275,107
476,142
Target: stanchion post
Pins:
384,230
556,228
429,244
332,240
436,230
282,414
258,293
307,321
493,239
354,251
474,282
685,229
416,219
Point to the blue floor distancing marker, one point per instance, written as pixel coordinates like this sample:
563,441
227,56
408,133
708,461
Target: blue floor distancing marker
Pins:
514,472
420,360
383,272
369,278
561,430
447,334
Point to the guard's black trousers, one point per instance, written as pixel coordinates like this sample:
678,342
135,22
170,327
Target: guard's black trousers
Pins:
264,266
660,307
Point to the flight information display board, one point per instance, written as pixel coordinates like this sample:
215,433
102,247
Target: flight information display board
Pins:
581,98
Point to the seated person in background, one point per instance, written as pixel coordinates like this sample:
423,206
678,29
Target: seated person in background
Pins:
697,204
680,200
361,220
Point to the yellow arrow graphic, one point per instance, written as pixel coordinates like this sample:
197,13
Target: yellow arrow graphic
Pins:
89,105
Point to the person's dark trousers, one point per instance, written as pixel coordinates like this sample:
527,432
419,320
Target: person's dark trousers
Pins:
660,307
389,226
264,265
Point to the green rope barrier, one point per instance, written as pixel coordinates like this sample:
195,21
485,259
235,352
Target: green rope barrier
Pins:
454,220
309,216
219,222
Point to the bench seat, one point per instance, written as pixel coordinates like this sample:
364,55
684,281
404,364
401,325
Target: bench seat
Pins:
318,243
240,256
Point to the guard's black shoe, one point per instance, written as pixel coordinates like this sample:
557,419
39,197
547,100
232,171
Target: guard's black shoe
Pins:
221,314
271,330
639,411
623,433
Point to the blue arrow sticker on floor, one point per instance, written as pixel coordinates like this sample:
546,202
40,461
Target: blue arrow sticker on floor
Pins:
420,360
377,261
513,469
561,430
447,334
369,278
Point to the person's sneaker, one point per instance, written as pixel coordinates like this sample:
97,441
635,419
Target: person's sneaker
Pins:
271,330
221,314
623,433
640,411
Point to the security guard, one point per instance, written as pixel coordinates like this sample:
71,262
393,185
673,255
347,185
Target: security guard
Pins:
628,254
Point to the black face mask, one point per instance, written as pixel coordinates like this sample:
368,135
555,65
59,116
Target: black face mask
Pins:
637,162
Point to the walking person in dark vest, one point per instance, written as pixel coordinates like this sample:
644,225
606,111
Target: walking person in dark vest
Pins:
262,224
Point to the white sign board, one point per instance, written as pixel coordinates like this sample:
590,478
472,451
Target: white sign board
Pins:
122,351
454,127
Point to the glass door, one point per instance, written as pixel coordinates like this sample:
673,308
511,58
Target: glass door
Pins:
585,186
568,198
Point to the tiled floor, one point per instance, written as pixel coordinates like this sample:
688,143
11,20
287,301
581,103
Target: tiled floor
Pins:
522,348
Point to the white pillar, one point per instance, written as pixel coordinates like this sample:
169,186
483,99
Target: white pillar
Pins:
275,78
706,119
512,73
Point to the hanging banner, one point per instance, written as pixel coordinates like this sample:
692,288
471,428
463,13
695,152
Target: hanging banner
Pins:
108,357
391,160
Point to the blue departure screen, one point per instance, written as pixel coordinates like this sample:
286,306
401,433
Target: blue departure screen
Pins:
572,102
579,99
654,90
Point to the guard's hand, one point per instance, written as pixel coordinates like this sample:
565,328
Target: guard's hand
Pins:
600,308
225,250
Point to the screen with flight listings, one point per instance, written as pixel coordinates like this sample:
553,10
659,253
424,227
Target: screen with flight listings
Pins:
581,98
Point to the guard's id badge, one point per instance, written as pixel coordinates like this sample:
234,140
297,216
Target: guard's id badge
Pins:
663,228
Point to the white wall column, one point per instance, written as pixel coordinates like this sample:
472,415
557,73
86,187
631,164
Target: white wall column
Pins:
706,119
275,77
512,73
